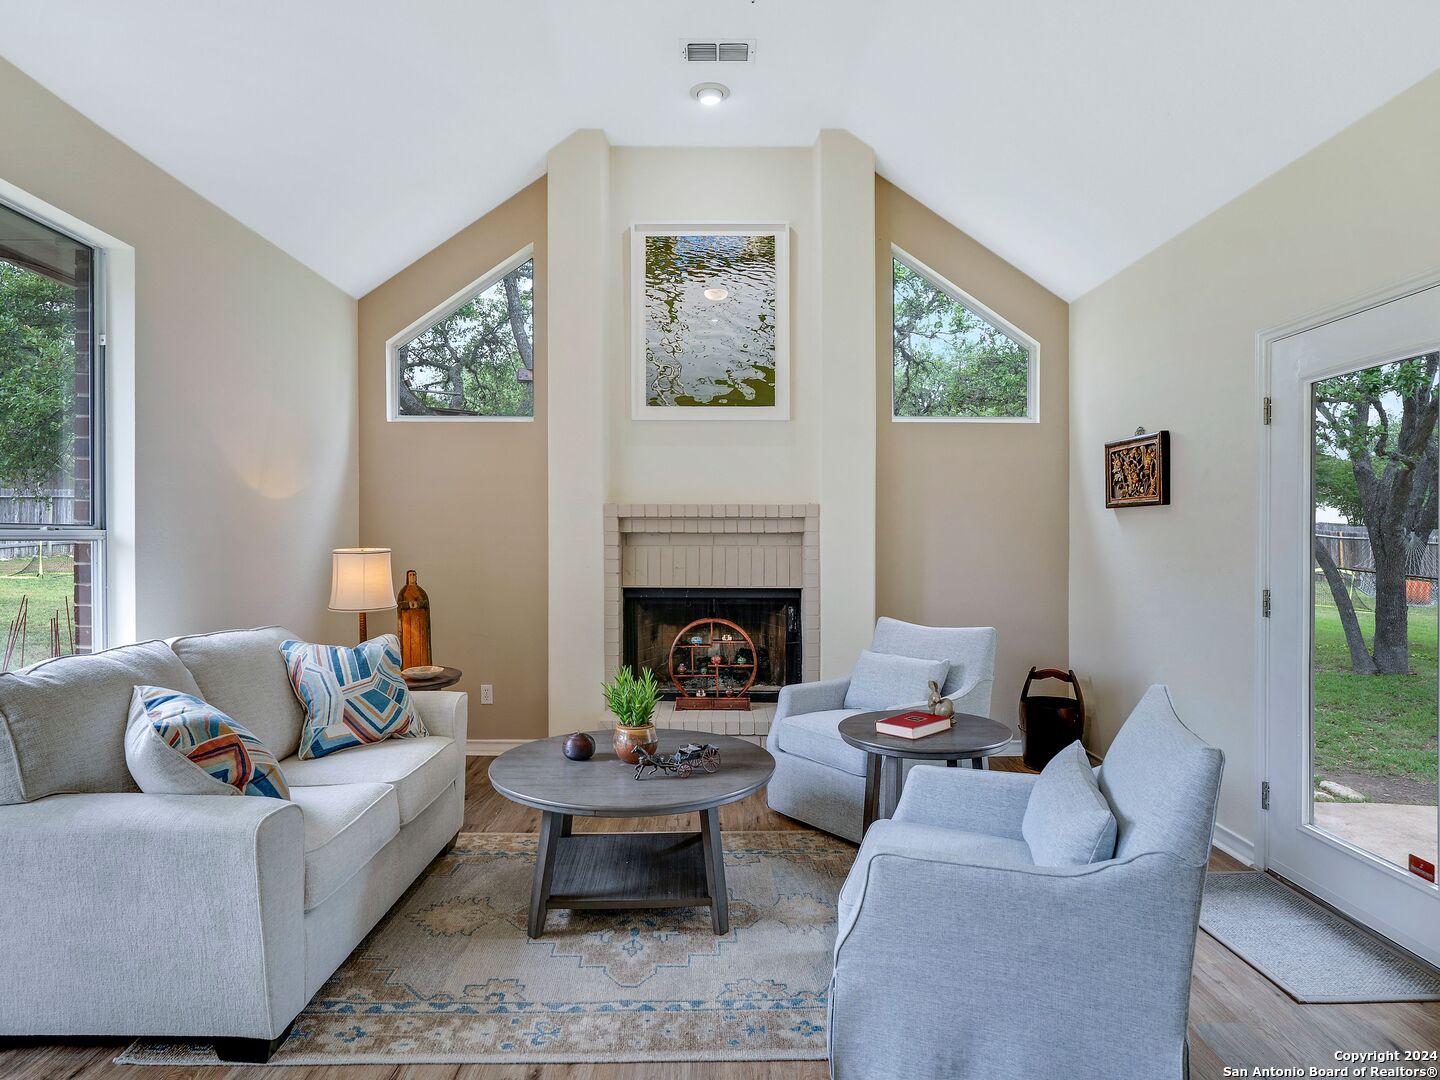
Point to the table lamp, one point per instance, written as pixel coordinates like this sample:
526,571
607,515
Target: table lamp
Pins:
360,581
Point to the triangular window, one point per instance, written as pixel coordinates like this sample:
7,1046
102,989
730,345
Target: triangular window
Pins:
474,356
954,359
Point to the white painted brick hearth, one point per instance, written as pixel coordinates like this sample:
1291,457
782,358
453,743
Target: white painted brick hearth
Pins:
717,546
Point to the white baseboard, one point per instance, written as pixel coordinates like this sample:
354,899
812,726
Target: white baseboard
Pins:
1234,845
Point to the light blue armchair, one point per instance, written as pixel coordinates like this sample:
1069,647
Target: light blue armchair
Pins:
819,778
1003,969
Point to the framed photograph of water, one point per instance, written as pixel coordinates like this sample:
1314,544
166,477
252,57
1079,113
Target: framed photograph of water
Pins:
710,322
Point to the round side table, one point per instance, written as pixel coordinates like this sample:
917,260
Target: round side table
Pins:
448,677
972,738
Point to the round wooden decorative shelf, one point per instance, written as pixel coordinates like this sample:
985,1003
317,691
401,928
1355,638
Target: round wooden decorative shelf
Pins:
697,657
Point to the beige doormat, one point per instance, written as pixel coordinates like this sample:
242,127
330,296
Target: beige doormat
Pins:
449,975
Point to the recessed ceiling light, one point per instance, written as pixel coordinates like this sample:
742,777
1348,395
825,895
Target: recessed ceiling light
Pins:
716,294
709,94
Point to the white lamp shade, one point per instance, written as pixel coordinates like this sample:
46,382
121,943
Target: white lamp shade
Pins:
360,580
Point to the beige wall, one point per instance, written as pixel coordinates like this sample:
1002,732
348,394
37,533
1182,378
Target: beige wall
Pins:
972,517
234,372
600,455
1171,594
464,503
824,194
766,461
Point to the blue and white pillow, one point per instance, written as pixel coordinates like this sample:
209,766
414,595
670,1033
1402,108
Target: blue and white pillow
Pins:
352,697
177,744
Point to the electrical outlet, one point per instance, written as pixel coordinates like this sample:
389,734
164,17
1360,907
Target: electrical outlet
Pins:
487,694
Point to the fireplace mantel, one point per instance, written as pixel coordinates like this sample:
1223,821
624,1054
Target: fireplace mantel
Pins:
714,545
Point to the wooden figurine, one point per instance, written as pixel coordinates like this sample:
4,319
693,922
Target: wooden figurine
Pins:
939,704
413,618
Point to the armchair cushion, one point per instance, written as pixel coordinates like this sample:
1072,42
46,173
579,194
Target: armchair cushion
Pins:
816,736
1067,820
977,800
419,770
888,681
970,650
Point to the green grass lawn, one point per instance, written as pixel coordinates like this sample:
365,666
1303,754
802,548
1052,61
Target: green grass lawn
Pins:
1383,725
47,596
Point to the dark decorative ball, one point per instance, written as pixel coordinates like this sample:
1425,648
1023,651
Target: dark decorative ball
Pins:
579,747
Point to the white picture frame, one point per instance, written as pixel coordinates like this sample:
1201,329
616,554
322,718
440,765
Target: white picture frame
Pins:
643,407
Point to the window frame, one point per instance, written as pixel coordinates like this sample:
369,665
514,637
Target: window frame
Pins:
95,531
1004,325
429,319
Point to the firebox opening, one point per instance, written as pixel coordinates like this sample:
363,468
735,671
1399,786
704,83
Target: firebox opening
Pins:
652,617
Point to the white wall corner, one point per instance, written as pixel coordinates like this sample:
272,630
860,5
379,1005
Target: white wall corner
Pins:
844,174
578,328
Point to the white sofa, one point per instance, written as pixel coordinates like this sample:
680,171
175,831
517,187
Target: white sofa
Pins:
192,915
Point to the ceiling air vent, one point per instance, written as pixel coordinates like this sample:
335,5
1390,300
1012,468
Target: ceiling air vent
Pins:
710,52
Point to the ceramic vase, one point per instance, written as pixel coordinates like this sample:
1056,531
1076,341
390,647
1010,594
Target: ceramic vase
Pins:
629,740
413,623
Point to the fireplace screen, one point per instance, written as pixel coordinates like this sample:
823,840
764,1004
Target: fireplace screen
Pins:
652,617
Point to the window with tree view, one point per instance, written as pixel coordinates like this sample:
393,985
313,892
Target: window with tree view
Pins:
50,523
475,358
951,361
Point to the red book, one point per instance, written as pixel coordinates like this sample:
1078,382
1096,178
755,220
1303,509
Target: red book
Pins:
913,725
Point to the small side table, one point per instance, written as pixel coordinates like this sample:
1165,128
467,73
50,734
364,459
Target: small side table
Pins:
449,677
972,738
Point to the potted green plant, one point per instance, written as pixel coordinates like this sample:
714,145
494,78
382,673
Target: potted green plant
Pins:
632,701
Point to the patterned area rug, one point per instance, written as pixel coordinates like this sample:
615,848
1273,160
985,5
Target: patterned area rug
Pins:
1312,954
449,975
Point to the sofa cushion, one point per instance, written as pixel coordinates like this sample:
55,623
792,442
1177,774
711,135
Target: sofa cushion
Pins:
62,722
351,696
885,681
242,673
177,744
346,825
1067,820
418,769
816,736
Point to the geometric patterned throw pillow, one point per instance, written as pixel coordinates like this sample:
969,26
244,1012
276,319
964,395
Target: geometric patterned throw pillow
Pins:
351,696
177,744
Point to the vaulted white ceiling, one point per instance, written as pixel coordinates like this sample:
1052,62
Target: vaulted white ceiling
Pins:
1070,136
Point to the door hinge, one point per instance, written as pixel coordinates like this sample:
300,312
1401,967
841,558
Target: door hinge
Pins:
1264,794
102,341
1267,410
1265,603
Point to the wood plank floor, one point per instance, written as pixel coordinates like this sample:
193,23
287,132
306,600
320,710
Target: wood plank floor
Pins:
1237,1016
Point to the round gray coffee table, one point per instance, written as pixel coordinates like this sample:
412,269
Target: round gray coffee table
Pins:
628,870
972,738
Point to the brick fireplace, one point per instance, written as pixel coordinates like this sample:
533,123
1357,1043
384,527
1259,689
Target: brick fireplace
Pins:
706,549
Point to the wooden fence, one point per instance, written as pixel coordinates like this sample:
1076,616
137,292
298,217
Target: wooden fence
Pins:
1349,546
19,508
